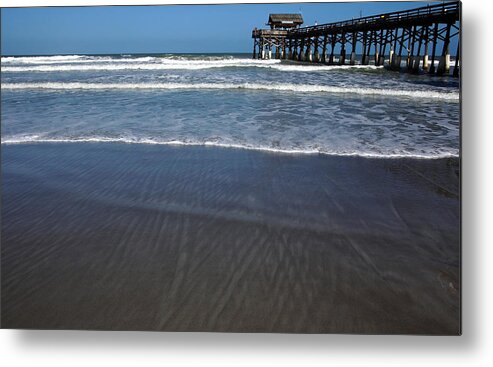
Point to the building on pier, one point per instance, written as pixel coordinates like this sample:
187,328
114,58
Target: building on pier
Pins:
267,40
386,39
285,21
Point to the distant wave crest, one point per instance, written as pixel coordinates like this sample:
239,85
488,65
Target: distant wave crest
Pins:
446,96
107,63
41,59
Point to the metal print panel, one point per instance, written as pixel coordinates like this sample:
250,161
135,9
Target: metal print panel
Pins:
288,168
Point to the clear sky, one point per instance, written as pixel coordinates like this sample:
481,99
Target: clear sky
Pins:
160,29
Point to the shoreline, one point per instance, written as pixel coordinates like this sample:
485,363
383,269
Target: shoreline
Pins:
229,146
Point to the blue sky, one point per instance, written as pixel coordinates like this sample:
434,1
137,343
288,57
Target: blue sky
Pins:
160,29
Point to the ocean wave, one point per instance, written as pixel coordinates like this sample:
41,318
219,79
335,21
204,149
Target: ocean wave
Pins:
33,139
134,63
112,58
40,59
28,63
59,63
305,88
150,64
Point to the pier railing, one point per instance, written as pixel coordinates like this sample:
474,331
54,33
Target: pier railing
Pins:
269,33
445,12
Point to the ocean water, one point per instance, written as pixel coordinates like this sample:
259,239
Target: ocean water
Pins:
229,101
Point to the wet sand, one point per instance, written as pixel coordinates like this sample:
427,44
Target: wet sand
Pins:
141,237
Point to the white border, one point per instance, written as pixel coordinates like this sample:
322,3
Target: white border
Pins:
474,348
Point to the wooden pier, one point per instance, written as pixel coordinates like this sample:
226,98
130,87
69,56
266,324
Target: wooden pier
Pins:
382,40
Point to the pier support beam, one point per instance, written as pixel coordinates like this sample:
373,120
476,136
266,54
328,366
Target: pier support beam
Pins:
370,42
332,47
352,60
410,47
301,55
289,55
354,40
393,48
433,50
457,56
316,54
383,47
363,56
378,47
416,60
342,59
367,57
398,58
308,52
324,50
426,44
295,50
444,64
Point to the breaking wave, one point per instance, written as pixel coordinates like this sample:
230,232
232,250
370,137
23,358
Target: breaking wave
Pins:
446,96
380,115
108,63
31,139
131,65
41,59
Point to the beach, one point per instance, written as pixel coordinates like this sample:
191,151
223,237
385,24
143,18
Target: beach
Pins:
218,193
119,236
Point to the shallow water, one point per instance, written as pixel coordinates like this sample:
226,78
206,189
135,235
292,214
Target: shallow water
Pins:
229,100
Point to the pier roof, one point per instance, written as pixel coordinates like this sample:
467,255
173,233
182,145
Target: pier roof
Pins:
285,20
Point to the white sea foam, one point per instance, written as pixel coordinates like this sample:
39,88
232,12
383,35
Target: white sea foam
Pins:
40,59
307,67
390,129
155,63
80,58
304,88
77,62
136,63
61,63
31,139
45,64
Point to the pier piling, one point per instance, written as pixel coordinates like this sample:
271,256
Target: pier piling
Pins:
324,49
456,65
444,64
354,40
342,59
425,56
